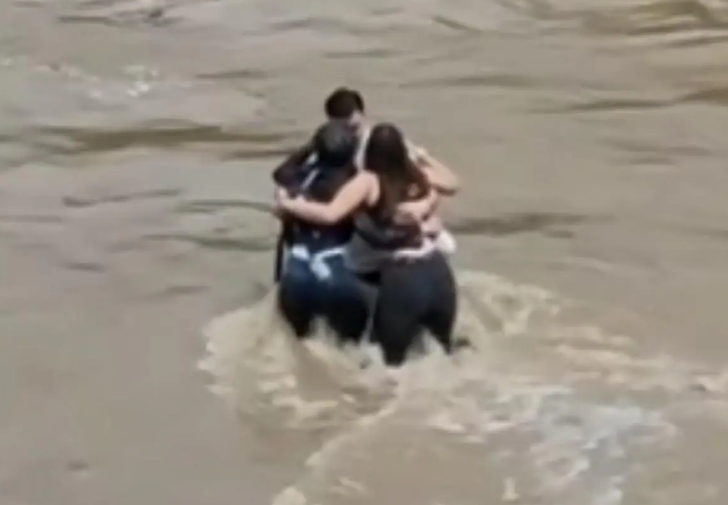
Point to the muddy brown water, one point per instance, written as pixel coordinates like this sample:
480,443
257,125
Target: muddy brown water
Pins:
136,140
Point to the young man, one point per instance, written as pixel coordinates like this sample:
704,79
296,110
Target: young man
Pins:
345,104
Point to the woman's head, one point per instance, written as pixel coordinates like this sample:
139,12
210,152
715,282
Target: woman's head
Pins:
335,144
387,156
386,151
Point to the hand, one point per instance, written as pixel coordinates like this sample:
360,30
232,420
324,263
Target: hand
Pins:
419,155
286,203
420,152
281,199
279,195
409,213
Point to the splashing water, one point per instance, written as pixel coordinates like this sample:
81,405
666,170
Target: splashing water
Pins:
515,412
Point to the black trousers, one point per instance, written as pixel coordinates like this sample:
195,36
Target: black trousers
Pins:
414,295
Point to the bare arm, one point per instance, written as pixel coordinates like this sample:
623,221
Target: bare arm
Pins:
285,173
346,201
419,210
279,193
442,178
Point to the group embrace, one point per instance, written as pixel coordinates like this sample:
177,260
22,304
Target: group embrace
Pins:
358,205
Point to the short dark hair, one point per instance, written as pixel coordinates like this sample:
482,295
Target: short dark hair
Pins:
342,103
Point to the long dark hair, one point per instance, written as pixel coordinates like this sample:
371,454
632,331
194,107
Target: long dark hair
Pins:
400,180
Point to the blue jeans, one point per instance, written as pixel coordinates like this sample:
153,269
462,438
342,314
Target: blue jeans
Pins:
306,293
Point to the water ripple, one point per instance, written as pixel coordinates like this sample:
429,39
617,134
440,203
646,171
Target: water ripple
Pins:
209,206
81,202
481,79
512,224
609,104
251,244
656,18
178,134
717,95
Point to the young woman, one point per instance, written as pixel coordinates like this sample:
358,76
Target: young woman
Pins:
416,285
313,280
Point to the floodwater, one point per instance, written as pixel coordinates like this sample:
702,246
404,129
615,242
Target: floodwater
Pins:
141,363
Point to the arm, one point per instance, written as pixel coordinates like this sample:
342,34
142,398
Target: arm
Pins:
387,238
285,173
279,193
346,201
440,176
392,237
419,210
408,219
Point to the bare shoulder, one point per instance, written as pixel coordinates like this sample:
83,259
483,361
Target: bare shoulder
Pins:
371,181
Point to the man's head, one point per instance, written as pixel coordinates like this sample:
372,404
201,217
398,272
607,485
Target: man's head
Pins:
345,104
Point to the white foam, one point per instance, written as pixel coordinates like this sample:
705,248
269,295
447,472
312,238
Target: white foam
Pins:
573,448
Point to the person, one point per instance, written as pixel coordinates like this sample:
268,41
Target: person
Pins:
417,288
343,106
314,280
347,105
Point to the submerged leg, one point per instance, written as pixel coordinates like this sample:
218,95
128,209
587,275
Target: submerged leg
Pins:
345,306
442,311
297,296
397,321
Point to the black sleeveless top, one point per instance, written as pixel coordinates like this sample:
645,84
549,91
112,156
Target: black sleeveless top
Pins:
381,232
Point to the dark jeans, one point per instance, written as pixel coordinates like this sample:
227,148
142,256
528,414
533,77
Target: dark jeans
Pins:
414,295
304,296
